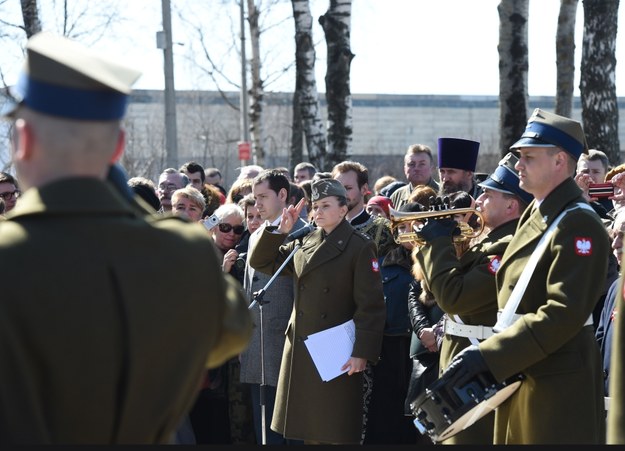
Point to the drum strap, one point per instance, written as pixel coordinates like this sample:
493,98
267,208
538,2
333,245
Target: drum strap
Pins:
508,315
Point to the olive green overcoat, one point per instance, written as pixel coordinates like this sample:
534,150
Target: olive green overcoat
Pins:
466,287
335,280
561,400
108,318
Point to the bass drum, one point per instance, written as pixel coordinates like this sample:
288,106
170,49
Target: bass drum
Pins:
449,406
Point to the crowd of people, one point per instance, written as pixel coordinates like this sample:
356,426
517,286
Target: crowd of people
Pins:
178,310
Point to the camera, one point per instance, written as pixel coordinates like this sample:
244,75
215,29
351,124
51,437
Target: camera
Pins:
601,190
239,263
210,222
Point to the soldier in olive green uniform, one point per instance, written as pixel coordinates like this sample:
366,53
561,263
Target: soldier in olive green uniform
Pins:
336,278
98,342
465,288
546,331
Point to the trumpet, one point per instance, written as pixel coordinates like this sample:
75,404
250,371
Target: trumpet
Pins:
411,223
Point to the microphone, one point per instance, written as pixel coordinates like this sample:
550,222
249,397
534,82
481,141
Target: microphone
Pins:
301,233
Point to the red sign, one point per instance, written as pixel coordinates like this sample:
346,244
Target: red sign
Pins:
244,150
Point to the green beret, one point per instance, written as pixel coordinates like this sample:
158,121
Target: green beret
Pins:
326,187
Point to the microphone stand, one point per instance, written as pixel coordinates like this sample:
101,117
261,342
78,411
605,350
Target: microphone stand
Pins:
259,299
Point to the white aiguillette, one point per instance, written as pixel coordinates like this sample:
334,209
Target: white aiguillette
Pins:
331,348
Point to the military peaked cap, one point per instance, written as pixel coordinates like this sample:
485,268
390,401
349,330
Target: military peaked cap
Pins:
505,179
546,129
64,78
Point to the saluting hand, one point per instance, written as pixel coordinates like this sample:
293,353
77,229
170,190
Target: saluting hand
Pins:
290,215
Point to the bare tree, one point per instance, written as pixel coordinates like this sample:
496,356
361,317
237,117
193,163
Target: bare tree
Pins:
256,90
597,85
565,57
30,14
336,24
306,109
513,66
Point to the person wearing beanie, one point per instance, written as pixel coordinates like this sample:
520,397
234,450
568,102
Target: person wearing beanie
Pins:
379,205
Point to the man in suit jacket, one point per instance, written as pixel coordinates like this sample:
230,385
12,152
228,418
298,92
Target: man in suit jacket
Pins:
271,193
550,339
98,343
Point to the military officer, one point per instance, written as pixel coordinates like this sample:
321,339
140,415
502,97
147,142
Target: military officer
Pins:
465,288
99,344
336,279
545,330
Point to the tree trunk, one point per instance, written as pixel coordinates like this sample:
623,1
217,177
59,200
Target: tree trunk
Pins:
256,91
336,27
513,65
307,102
30,14
565,57
597,85
297,132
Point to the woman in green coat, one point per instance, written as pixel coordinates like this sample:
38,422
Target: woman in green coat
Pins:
336,278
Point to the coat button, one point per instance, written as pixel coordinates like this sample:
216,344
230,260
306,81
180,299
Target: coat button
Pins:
324,316
300,314
326,289
300,339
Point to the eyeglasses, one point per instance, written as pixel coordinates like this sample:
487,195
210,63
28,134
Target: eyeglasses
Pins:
226,228
168,187
10,194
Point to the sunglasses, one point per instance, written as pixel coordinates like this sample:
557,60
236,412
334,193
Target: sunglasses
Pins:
225,228
10,194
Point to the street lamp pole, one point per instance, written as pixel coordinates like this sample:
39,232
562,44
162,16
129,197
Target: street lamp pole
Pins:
164,41
244,144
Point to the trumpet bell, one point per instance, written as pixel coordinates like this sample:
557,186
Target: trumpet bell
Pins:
406,226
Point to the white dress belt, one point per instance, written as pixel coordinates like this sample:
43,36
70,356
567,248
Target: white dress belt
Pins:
465,330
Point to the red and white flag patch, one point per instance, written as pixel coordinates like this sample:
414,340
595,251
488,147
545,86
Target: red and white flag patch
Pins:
583,246
375,266
494,264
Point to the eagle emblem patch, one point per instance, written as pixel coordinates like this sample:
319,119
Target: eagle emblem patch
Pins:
375,266
583,246
494,264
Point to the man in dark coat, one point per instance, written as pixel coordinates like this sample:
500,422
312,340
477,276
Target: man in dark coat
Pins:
545,329
99,344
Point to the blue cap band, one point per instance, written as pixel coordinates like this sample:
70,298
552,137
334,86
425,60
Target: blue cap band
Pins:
68,102
554,136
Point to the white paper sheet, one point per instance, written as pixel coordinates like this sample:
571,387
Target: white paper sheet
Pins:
331,348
